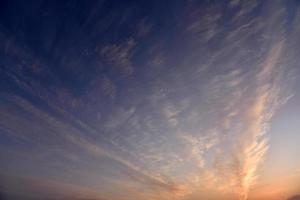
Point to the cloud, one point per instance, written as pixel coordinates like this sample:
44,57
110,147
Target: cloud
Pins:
258,116
246,8
198,146
68,137
119,56
195,118
252,123
202,24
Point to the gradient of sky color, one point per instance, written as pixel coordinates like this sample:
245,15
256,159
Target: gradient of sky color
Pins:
169,100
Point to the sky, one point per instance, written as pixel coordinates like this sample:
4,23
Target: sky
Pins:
168,100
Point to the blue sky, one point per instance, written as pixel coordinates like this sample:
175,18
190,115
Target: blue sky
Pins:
149,100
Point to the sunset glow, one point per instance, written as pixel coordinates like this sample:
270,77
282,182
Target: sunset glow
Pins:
149,100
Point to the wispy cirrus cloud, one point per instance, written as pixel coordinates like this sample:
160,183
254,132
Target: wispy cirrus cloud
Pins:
161,113
120,55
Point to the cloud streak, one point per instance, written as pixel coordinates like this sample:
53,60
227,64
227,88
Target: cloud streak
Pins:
253,147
